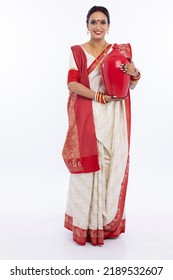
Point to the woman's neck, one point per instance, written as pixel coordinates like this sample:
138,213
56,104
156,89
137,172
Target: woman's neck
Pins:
98,43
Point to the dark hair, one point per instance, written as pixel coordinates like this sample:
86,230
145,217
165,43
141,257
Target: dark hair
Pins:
98,9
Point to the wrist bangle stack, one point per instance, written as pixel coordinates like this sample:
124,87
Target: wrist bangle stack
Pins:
99,97
134,79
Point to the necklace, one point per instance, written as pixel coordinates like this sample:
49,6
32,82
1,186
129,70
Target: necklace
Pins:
96,52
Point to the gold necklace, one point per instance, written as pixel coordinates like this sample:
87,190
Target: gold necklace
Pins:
97,52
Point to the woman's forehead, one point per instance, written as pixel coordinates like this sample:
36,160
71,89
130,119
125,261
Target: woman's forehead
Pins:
98,16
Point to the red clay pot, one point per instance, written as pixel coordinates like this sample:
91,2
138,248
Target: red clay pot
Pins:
116,82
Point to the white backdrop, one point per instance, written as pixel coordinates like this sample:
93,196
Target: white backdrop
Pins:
35,40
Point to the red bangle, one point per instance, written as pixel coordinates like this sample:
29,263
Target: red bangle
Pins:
100,97
136,78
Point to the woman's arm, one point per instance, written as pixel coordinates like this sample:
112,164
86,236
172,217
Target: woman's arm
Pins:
81,90
85,92
133,84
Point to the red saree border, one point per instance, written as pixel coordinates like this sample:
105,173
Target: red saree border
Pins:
96,237
98,59
128,117
84,164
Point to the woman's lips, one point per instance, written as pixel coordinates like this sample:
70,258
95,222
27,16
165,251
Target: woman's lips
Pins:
98,32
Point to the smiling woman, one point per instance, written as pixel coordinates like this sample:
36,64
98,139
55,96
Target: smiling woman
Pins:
96,149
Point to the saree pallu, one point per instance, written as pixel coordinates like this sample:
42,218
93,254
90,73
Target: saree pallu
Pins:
96,200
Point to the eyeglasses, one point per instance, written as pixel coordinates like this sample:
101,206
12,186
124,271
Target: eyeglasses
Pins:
94,22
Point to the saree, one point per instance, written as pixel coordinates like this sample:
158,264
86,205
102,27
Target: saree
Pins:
96,199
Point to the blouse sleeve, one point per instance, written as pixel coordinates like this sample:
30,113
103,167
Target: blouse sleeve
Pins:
73,73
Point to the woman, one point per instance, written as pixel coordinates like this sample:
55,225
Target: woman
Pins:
96,150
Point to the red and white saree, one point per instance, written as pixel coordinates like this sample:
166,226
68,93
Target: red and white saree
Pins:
96,196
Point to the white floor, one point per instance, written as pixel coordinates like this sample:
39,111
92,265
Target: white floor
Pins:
44,238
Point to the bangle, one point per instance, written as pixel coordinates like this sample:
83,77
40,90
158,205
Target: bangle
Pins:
95,96
133,82
99,97
135,78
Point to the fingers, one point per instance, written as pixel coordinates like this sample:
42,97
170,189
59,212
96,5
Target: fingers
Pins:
128,68
108,98
114,98
123,68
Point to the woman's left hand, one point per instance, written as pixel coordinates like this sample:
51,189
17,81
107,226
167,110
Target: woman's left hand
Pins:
129,68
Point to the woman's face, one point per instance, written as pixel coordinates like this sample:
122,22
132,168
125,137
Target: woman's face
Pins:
98,25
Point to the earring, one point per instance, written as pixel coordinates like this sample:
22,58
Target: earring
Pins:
87,32
108,32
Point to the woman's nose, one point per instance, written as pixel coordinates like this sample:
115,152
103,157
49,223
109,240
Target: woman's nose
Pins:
98,25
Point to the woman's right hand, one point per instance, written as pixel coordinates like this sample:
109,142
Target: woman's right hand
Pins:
109,98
